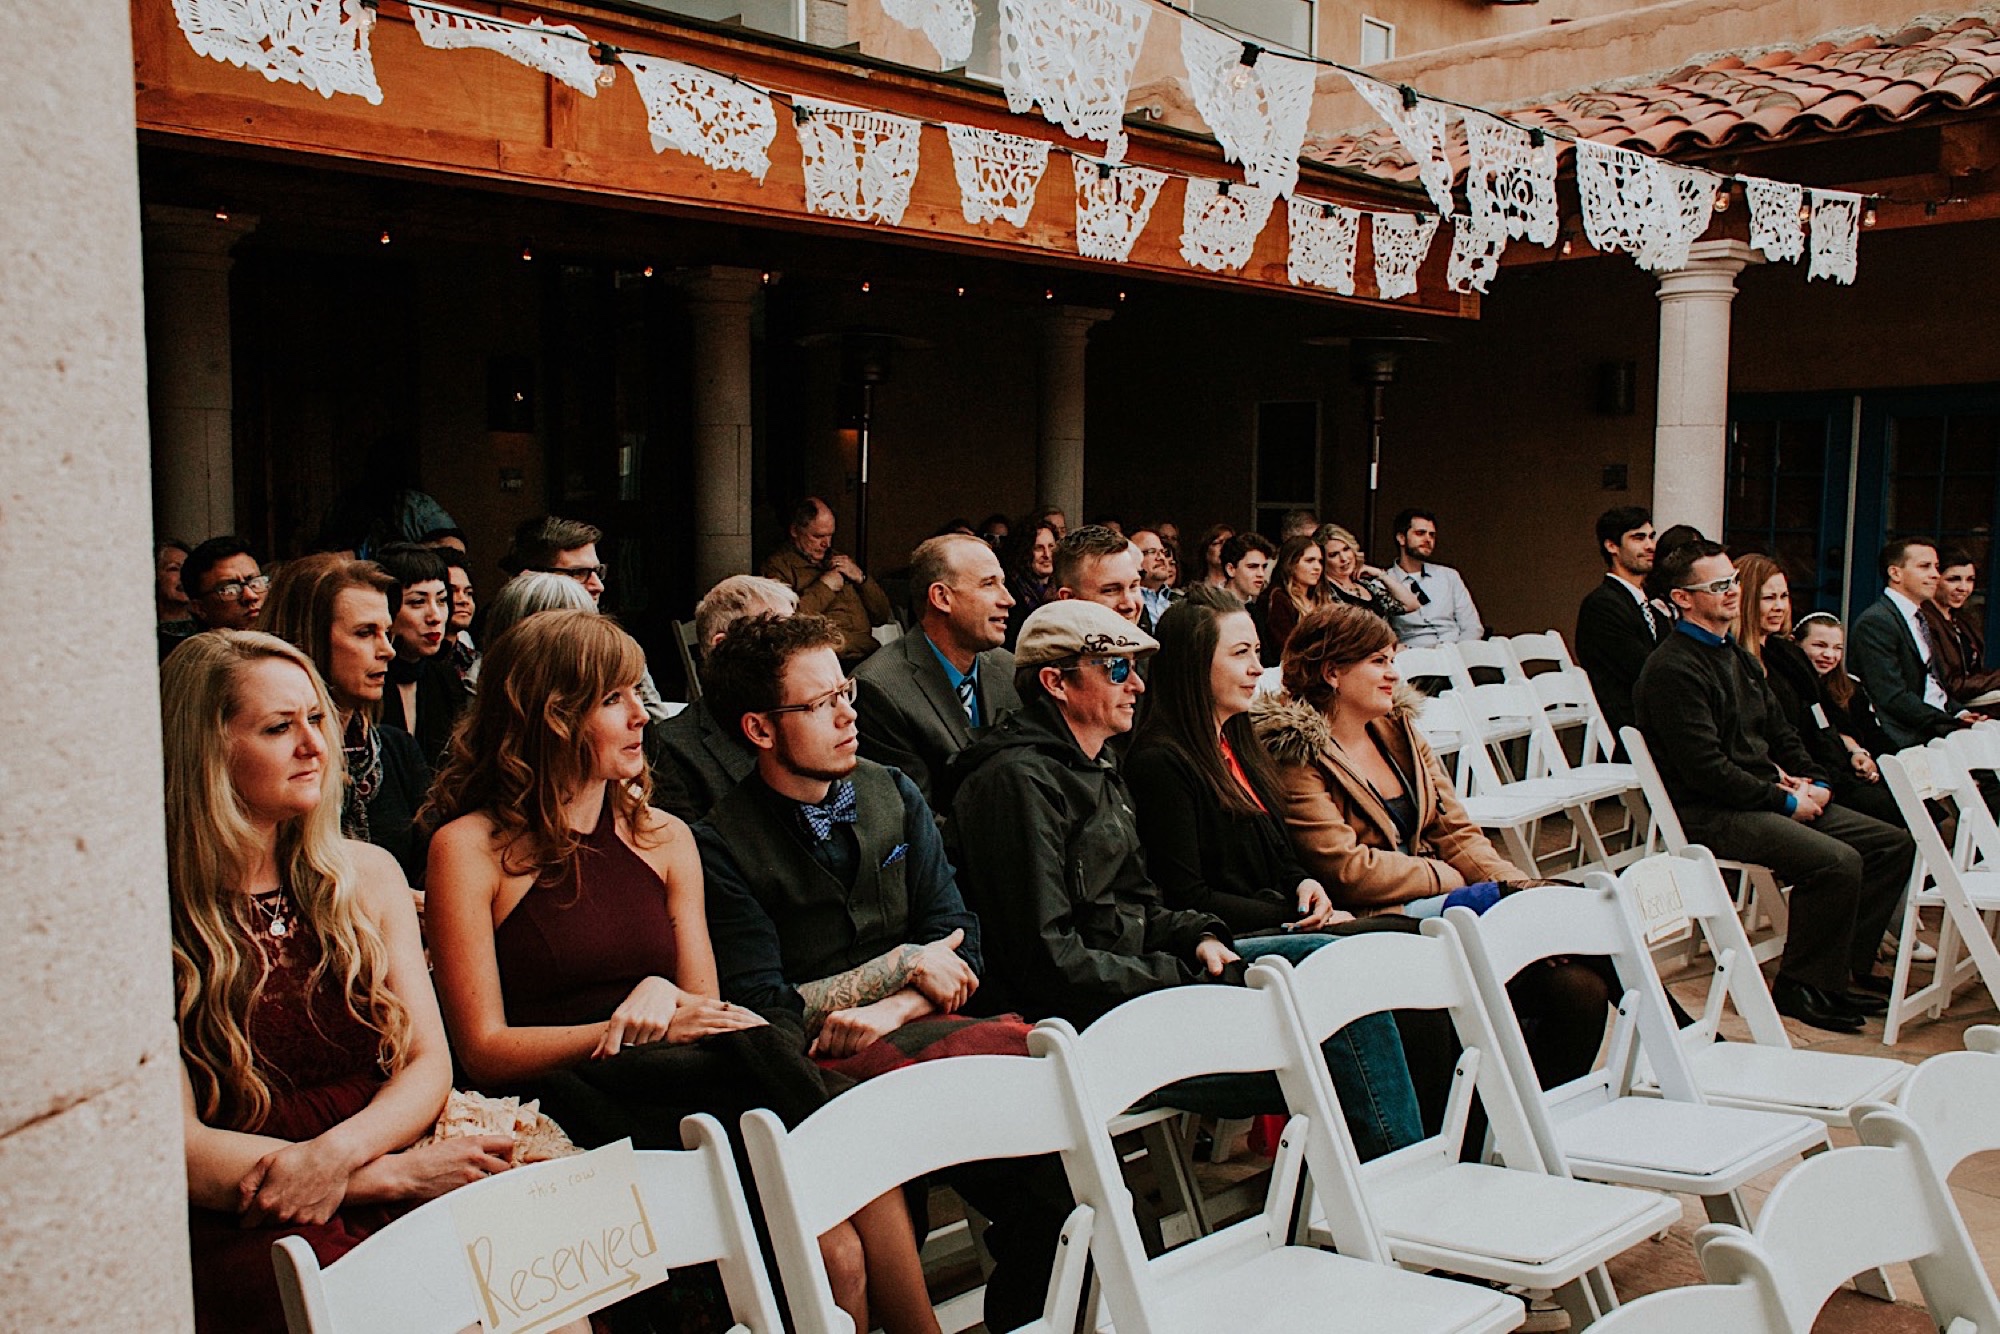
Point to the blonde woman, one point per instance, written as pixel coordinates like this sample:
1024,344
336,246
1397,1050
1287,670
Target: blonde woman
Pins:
571,943
1352,580
312,1052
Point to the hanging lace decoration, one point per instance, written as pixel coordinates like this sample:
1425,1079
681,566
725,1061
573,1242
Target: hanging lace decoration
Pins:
998,174
1323,237
948,25
1075,57
1220,223
1258,111
322,44
859,164
1775,225
1511,182
1836,235
1112,205
1476,244
1420,129
1686,202
1402,240
1650,209
727,124
562,52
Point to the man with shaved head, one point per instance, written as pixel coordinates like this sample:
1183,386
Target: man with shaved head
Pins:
921,698
828,582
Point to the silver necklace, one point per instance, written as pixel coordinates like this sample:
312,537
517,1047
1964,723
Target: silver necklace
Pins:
277,912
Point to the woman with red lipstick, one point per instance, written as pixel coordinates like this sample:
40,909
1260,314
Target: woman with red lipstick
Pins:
425,694
570,940
337,612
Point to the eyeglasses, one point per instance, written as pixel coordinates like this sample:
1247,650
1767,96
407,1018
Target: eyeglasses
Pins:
234,590
1118,670
1725,584
583,574
812,707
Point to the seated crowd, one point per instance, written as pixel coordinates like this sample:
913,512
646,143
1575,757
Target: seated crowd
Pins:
1061,788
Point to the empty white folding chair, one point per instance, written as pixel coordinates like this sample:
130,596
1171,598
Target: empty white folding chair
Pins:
1673,894
1915,776
1511,810
414,1277
1704,1308
1951,1098
1763,909
1516,807
1435,662
1247,1278
1542,646
1496,728
1528,1223
1600,1127
1856,1209
895,1128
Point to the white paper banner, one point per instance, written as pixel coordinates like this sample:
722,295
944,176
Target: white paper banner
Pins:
561,51
1220,223
1075,57
321,44
998,174
858,164
728,125
1420,129
1323,241
1258,111
1402,240
1112,205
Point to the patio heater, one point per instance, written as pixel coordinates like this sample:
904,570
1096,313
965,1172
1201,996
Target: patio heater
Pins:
1374,361
865,362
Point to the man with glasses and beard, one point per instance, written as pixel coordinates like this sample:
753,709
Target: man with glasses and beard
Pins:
832,907
1745,786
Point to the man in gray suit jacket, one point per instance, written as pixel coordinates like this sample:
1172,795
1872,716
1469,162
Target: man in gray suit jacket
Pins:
696,762
921,697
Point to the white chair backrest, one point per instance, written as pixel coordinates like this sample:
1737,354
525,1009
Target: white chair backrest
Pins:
1951,1098
1438,661
1572,690
1479,706
1489,657
1667,830
1541,646
1914,776
895,1128
412,1276
1843,1213
1739,1308
1443,726
1271,681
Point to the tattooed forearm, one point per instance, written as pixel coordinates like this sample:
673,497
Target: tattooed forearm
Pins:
884,975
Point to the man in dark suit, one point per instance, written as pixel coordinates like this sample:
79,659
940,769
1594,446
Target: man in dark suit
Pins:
696,761
921,697
1890,649
1617,628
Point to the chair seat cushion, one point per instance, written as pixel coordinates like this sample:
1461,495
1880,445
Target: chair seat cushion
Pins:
1684,1138
1296,1287
1745,1072
1525,1217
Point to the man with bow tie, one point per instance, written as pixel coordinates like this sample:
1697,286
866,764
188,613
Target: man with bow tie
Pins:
830,898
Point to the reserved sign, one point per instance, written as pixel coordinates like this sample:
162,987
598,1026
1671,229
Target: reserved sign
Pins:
554,1242
1661,907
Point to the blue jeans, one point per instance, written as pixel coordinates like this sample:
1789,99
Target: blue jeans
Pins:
1365,1059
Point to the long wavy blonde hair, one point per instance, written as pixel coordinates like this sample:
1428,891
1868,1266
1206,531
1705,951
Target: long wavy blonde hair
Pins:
520,754
218,973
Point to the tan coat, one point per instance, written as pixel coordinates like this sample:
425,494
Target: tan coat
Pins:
1342,831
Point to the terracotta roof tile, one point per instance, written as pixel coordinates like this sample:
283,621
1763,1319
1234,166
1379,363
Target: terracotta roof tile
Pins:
1823,88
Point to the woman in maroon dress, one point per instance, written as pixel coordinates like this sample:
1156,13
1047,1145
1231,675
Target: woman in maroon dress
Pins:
312,1052
571,943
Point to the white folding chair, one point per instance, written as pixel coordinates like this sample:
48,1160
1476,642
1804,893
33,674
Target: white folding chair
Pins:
1527,1223
1674,894
1511,810
1541,646
1763,909
1915,776
1878,1203
1248,1277
1437,662
412,1276
895,1128
1494,799
1601,1129
1705,1308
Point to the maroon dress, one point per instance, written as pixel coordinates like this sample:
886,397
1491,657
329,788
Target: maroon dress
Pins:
323,1066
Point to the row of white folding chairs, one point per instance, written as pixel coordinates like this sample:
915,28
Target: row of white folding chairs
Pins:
1775,1278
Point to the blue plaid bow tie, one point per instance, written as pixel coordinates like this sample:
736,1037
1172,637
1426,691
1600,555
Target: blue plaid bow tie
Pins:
838,808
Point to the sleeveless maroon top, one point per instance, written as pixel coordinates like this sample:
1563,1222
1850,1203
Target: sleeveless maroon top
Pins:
580,940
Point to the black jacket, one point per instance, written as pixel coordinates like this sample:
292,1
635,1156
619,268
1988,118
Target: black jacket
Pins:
393,807
1612,645
1049,859
1205,858
1715,729
1882,652
695,763
910,716
440,698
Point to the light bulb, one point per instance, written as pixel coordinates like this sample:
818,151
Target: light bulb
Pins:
867,286
961,291
222,215
1566,245
607,75
1722,199
1805,212
527,251
384,237
1240,79
1868,216
1049,294
647,271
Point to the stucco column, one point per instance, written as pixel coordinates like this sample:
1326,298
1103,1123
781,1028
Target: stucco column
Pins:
190,388
720,303
93,1221
1059,469
1690,438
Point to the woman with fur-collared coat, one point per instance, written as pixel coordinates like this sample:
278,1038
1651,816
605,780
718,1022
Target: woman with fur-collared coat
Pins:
1373,814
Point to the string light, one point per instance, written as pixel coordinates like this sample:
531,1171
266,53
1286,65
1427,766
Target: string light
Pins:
961,291
384,237
1868,214
1049,294
1805,212
646,272
1722,198
606,56
364,15
1239,79
222,215
866,286
527,251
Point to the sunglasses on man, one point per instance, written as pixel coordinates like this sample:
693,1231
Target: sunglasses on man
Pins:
1717,586
1117,670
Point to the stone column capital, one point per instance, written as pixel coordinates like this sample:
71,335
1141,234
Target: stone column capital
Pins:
193,235
1710,273
720,284
1073,321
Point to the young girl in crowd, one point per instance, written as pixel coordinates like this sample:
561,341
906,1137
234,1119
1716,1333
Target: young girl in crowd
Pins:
567,929
1295,589
311,1049
337,611
1352,580
1374,815
1763,629
1824,641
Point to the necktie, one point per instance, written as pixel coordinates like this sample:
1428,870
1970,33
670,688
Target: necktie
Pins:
1652,625
838,808
967,700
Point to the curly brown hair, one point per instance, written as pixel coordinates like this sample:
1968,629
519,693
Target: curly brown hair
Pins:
519,754
1333,634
